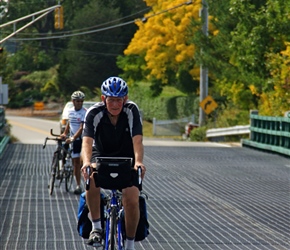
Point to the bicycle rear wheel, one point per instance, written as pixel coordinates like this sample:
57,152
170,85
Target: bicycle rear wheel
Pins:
54,169
113,231
68,178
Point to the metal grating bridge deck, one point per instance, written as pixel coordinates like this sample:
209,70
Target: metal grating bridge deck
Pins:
199,198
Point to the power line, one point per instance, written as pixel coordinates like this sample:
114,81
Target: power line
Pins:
83,52
92,27
76,34
101,29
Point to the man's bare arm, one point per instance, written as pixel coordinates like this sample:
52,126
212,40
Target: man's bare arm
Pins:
87,146
79,132
139,152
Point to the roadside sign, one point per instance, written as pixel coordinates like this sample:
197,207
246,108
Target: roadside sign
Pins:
38,106
208,104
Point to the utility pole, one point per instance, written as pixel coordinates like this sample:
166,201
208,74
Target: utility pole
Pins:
203,83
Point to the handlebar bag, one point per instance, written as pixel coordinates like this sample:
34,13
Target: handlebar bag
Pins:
114,173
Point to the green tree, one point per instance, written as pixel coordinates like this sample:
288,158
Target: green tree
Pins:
237,52
161,48
30,58
90,59
275,101
6,70
24,39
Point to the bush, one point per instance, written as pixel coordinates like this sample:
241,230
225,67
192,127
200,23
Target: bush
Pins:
198,134
163,107
24,99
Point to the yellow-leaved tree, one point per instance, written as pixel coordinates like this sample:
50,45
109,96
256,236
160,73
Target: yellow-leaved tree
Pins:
277,101
163,40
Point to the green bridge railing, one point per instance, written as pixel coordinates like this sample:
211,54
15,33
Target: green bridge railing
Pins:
269,133
4,138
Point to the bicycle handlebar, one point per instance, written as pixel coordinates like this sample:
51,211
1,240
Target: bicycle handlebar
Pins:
88,170
57,138
51,132
139,170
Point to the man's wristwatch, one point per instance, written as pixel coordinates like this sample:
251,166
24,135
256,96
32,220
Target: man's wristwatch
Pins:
72,139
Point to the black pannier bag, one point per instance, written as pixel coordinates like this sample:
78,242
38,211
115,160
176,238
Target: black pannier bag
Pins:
84,226
143,225
114,172
84,223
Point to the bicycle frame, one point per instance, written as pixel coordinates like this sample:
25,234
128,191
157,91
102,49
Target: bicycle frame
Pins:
58,163
113,223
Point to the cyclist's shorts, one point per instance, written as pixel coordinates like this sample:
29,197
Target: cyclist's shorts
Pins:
76,148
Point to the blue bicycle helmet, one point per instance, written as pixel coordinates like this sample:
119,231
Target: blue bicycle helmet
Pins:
115,87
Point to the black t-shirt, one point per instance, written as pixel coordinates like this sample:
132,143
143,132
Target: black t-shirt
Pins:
113,140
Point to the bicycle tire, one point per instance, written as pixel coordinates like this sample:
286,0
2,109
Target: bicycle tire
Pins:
120,238
54,168
68,179
113,232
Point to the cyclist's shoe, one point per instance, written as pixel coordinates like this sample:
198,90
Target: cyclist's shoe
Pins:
95,238
78,190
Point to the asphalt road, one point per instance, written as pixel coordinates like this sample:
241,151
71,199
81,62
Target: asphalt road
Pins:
28,130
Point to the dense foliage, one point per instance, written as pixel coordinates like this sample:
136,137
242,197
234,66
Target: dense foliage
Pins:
163,41
246,51
82,55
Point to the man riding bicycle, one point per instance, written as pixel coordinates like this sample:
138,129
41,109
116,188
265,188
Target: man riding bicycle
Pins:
113,128
74,127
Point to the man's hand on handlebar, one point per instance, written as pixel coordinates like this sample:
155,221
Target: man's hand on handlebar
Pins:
84,170
143,168
87,170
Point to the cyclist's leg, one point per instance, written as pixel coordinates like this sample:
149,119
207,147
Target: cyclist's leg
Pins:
77,173
93,202
76,149
130,199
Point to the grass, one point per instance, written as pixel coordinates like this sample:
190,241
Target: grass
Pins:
147,129
148,132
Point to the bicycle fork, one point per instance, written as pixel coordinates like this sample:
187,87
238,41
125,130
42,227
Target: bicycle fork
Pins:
113,236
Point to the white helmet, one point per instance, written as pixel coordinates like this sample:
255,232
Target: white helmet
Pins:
78,95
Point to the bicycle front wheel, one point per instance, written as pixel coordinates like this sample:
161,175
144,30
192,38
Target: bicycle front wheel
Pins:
68,178
53,172
113,232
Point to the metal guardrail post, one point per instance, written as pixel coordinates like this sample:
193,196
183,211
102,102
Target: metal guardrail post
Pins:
154,126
